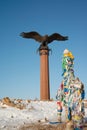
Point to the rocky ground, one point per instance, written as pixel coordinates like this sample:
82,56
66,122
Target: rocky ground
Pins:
40,126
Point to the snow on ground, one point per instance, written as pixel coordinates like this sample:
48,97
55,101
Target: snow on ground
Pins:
12,117
34,111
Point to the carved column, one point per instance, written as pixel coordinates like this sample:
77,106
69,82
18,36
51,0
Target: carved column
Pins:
44,74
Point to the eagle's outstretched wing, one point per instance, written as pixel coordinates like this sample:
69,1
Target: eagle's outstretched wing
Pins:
56,36
33,35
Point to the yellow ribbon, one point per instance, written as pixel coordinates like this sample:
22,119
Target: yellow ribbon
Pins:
69,54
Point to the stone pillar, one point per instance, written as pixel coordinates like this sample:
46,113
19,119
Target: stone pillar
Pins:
44,74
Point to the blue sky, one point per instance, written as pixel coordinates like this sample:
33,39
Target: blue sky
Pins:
19,62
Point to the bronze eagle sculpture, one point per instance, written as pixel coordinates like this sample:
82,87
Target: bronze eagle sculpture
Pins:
44,40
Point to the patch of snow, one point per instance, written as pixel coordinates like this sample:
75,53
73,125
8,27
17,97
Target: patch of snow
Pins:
35,111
